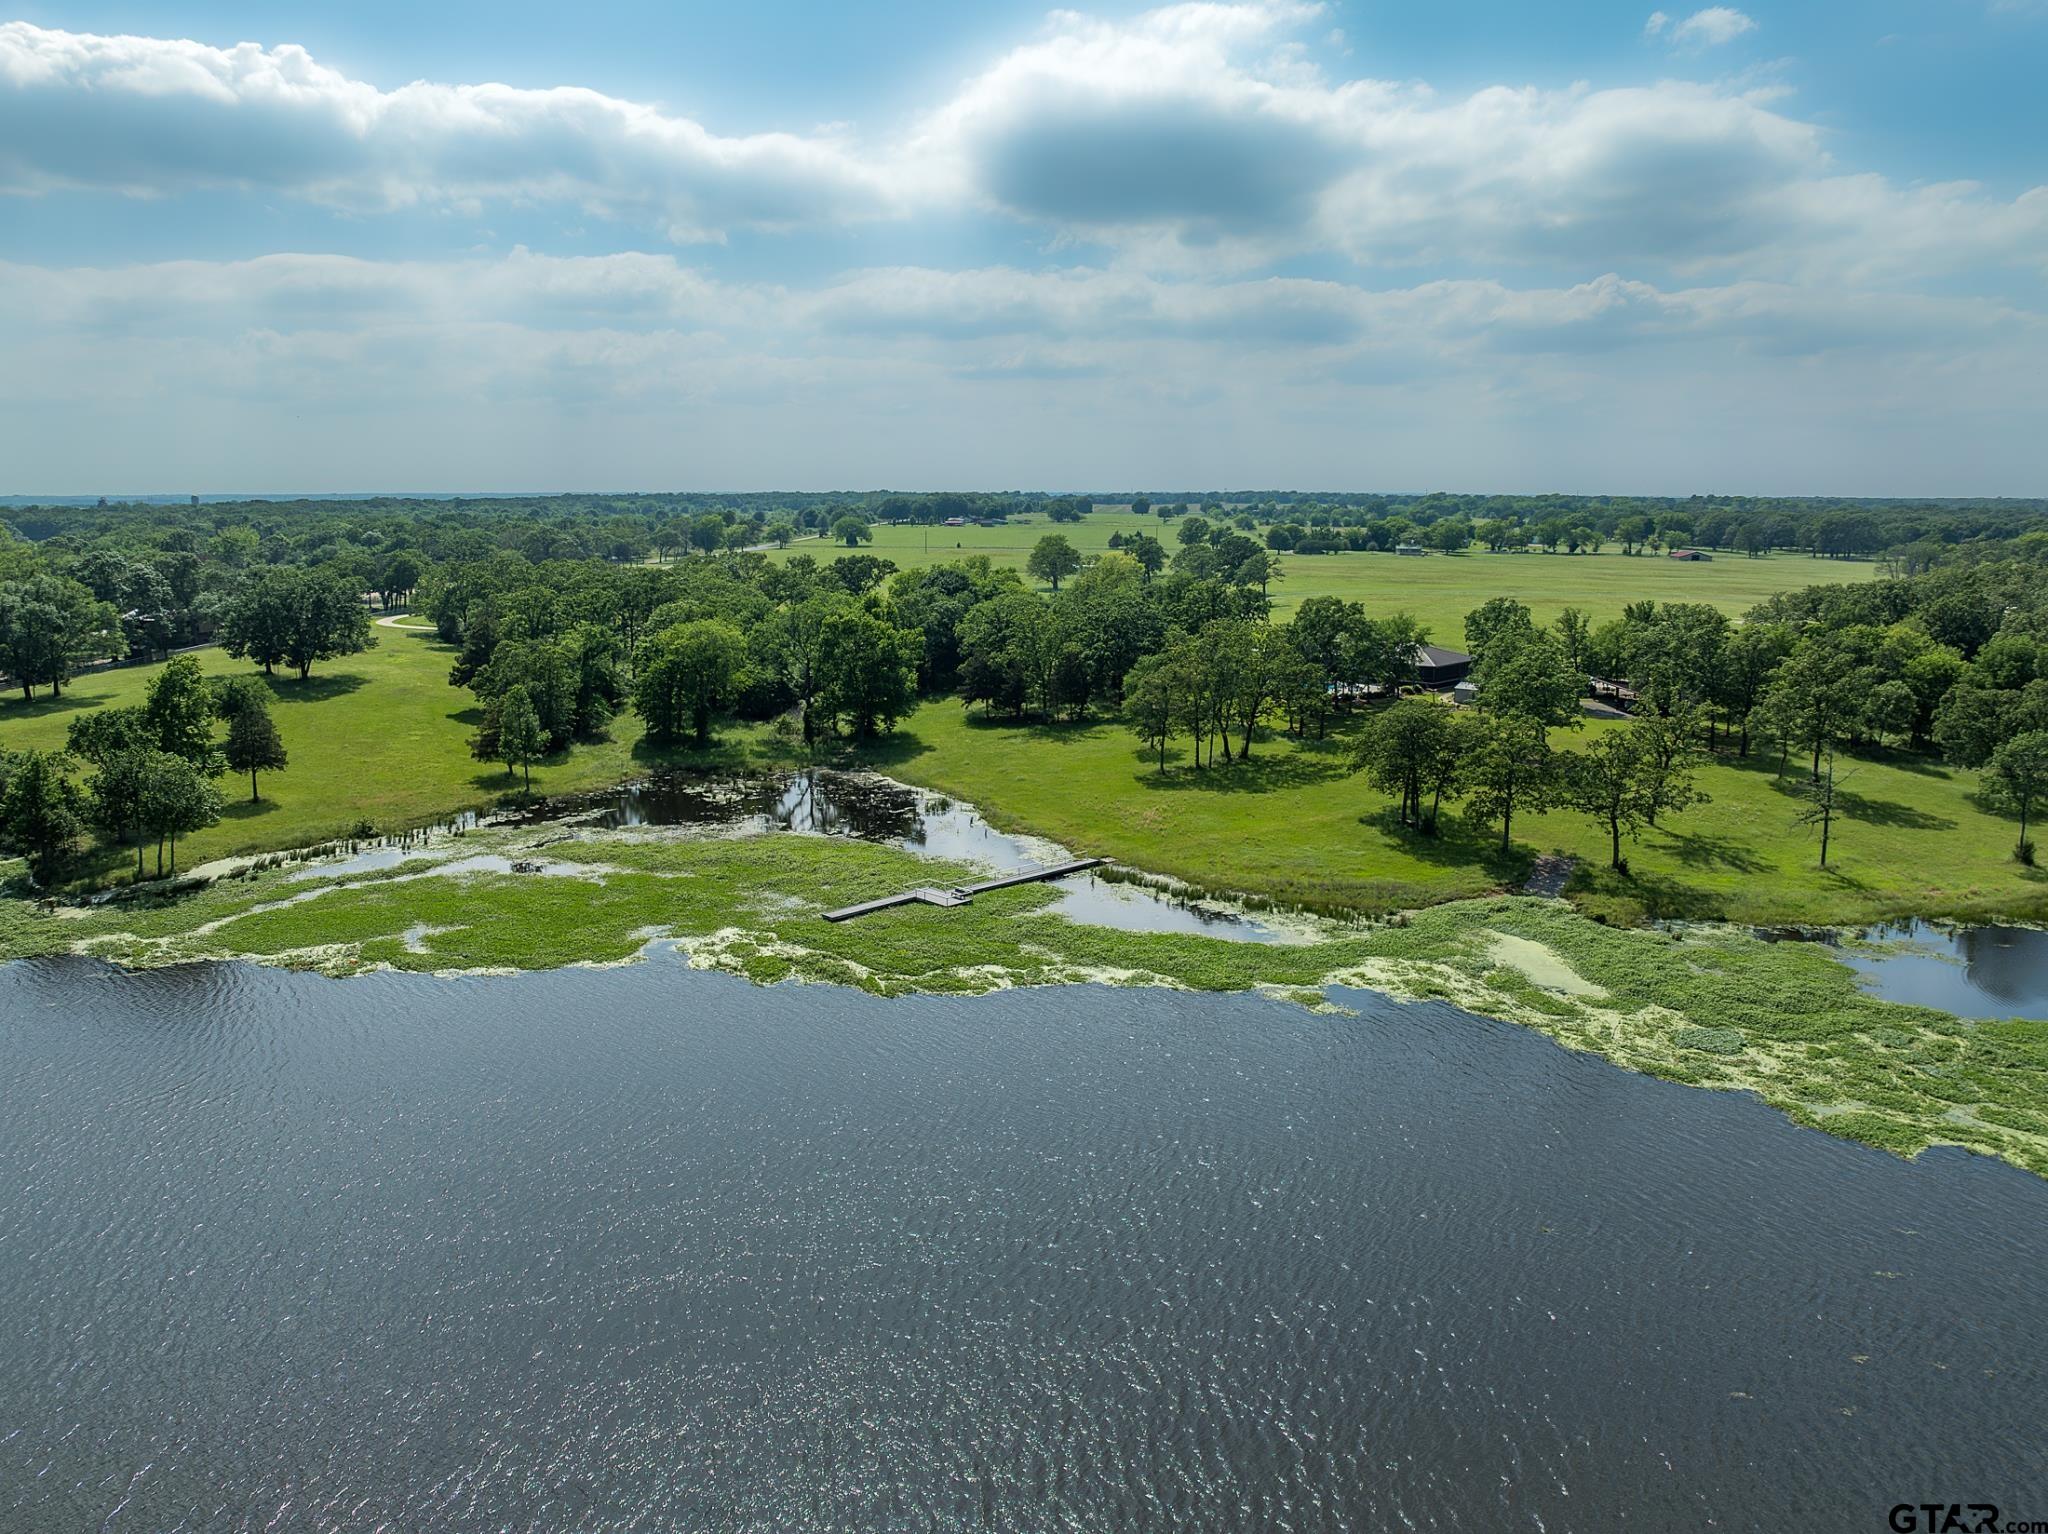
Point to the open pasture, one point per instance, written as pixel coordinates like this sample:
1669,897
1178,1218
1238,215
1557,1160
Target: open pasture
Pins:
1439,589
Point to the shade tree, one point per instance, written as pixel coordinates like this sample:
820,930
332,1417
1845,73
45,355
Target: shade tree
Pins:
253,745
690,674
520,735
42,813
51,626
1053,559
1606,782
1508,769
1409,752
2016,780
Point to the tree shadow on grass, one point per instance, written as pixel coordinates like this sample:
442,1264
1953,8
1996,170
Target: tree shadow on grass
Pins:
1759,764
100,865
1328,745
750,754
1458,843
1697,851
1889,812
242,809
1797,767
1844,881
1038,731
1851,805
1918,763
719,754
1266,772
15,710
318,688
1148,757
1634,897
883,752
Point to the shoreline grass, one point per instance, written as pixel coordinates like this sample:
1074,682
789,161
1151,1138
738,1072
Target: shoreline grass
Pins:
1712,1007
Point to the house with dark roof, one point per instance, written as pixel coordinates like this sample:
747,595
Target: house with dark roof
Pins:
1437,667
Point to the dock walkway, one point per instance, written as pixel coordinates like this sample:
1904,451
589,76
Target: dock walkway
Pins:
965,893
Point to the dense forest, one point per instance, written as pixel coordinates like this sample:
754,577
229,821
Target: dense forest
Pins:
561,612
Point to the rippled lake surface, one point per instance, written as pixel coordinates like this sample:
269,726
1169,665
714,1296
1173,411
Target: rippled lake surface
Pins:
648,1248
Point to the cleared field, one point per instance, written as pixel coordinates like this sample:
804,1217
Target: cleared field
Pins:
1439,589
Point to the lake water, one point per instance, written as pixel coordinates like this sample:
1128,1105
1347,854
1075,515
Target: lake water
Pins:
650,1248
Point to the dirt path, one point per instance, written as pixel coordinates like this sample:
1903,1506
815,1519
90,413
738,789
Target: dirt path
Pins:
1548,876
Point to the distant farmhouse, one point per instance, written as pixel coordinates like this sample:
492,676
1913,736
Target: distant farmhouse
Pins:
1690,554
1409,548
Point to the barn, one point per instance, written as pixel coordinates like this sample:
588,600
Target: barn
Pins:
1439,668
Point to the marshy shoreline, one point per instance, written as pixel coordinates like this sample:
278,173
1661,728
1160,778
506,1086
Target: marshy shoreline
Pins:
708,871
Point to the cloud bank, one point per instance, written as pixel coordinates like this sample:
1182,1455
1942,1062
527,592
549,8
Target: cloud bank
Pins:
1516,281
1195,134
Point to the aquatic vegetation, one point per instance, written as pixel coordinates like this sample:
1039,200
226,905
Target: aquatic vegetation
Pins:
1715,1007
1712,1041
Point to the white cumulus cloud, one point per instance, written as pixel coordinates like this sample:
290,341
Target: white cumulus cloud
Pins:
1708,28
154,116
1193,136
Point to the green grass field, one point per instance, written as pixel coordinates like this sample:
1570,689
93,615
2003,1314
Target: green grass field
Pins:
1438,589
1296,825
378,737
382,738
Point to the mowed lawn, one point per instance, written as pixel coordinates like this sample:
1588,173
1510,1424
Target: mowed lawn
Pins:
1297,825
381,738
378,737
1438,589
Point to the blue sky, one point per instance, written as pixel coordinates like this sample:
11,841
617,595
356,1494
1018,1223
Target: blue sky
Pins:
1795,249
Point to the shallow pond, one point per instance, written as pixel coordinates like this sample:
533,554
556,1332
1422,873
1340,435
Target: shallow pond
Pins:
1970,971
820,802
656,1248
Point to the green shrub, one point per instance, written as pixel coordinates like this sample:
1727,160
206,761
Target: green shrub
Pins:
1712,1041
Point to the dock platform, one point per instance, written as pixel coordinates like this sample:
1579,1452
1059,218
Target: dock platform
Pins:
965,893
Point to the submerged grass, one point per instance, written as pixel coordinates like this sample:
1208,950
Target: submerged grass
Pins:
1711,1006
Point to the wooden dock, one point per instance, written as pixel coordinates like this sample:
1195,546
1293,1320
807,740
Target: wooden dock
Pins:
963,894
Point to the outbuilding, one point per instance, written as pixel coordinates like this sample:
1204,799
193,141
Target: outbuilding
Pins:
1440,668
